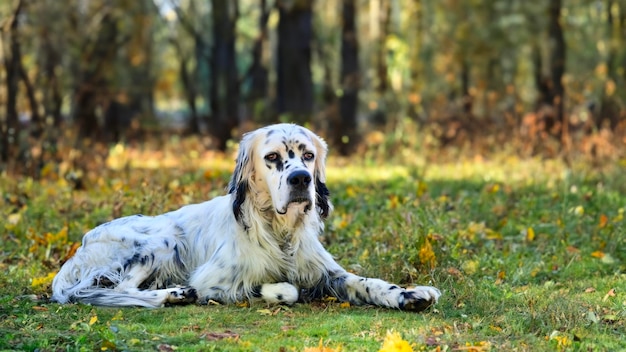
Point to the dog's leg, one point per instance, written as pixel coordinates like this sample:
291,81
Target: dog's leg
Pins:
360,290
278,293
137,274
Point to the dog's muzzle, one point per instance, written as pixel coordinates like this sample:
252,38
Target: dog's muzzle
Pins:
299,180
299,183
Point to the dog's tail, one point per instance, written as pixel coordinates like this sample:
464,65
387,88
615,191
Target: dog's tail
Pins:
97,286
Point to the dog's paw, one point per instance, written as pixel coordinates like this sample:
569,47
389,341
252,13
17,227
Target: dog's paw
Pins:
182,295
279,293
419,298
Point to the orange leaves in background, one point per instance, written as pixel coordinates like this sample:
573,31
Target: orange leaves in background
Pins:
48,241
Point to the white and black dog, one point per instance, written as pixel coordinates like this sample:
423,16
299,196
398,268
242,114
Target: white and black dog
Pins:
260,241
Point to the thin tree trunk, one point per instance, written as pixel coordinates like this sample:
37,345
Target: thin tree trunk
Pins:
465,87
348,102
416,65
382,80
93,82
258,73
557,65
224,75
294,81
10,129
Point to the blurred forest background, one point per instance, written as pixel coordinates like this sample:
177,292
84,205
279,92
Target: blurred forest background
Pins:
544,77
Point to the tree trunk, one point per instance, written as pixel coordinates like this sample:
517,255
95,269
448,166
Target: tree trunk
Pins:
348,102
609,103
294,81
10,129
258,73
93,82
465,87
382,83
557,65
416,64
224,75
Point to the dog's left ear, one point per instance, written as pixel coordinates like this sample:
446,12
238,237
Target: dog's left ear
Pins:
244,169
322,200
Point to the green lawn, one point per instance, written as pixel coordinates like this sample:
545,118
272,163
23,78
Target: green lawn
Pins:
529,256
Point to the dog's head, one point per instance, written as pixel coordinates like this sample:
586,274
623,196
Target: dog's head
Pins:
284,163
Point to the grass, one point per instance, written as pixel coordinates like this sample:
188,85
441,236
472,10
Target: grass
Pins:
528,253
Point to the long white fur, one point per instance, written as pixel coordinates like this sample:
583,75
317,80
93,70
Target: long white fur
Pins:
258,242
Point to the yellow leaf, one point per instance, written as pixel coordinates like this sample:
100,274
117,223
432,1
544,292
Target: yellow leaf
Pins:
579,210
93,320
598,254
470,267
42,281
421,188
13,219
345,305
394,343
530,234
264,311
133,342
321,348
426,254
603,221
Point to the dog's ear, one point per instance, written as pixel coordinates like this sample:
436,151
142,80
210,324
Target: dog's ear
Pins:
244,170
322,194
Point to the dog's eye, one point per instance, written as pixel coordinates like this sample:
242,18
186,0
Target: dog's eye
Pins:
271,157
308,156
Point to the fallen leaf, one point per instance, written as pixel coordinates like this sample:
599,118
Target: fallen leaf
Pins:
611,293
590,290
166,348
603,221
93,320
530,234
454,272
322,348
215,336
597,254
394,343
108,345
592,317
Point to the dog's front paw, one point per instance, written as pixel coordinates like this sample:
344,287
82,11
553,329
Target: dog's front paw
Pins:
419,298
182,295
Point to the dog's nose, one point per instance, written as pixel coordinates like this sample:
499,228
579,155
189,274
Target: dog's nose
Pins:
300,179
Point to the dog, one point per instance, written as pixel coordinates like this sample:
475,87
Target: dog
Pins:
258,242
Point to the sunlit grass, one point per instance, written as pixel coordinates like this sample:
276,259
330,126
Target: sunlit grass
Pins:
528,252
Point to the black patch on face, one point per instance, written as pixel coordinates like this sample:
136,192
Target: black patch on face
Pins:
278,162
321,198
291,154
240,197
302,147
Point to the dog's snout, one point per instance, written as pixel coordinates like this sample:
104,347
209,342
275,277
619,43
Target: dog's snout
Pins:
300,179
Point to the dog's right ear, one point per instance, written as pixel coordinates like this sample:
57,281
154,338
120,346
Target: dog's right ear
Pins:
244,169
